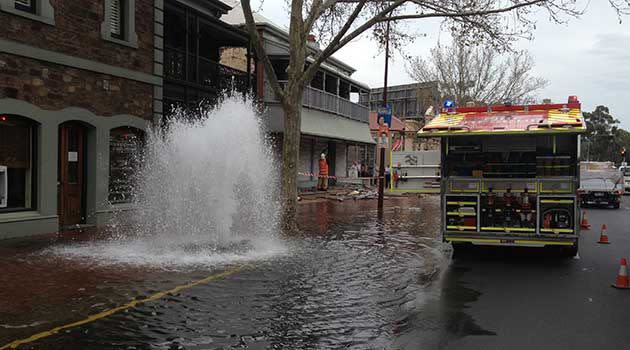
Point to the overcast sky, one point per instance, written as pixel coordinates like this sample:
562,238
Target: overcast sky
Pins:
588,57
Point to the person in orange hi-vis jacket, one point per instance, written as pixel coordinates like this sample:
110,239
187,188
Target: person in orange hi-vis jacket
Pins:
322,182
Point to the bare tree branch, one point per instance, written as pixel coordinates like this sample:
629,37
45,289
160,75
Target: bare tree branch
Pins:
340,41
478,74
323,55
317,8
441,12
622,7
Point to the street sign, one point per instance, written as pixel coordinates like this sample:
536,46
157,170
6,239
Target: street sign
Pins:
386,113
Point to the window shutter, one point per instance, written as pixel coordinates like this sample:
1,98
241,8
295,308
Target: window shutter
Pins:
25,3
115,19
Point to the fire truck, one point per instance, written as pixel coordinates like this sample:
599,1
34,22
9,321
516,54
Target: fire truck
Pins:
510,174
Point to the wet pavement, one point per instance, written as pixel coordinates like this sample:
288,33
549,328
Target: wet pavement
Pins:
350,280
531,299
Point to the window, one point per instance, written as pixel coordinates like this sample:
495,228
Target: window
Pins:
117,19
25,5
119,23
17,154
125,156
37,10
318,81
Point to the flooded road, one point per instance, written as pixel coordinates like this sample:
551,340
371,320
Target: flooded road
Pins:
349,280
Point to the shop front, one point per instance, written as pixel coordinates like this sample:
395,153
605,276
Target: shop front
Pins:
60,169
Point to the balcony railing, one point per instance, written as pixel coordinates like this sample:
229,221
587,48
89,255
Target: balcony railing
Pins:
327,102
199,70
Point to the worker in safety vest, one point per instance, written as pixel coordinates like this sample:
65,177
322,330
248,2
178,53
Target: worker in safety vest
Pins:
322,183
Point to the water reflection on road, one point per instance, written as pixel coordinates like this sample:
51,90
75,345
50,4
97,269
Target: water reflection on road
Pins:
350,280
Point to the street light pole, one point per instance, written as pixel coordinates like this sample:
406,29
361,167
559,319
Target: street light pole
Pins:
381,170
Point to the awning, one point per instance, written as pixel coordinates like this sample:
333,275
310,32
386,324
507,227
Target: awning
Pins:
322,124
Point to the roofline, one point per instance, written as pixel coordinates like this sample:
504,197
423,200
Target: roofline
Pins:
339,63
217,4
275,29
404,86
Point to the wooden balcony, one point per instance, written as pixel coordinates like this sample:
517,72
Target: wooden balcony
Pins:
326,102
204,72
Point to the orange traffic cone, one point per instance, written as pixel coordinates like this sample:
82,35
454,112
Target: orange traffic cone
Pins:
622,282
603,238
585,225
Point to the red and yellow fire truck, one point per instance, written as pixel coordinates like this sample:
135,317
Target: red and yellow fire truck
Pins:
510,174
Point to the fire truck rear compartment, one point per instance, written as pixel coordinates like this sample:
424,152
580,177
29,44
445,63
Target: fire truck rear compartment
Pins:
510,190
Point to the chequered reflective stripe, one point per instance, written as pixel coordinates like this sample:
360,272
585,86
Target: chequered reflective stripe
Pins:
336,177
444,121
573,116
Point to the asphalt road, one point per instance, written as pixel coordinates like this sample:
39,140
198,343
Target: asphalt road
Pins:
524,299
353,281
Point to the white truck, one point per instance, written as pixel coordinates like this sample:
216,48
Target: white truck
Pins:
625,170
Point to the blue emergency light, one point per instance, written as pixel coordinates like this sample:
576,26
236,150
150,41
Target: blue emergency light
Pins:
449,104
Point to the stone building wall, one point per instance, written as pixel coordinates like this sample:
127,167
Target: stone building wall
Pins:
77,32
54,87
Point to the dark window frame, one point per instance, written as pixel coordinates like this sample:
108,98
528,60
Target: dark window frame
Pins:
34,127
30,9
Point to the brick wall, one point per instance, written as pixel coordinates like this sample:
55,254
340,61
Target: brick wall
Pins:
77,32
235,57
54,87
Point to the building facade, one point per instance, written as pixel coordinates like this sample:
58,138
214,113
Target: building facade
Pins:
78,85
81,81
333,120
194,39
414,104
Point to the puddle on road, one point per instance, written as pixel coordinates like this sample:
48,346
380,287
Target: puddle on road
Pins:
349,280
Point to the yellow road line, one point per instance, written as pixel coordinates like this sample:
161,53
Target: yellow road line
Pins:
129,305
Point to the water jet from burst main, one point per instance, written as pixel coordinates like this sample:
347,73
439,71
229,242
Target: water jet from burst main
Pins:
204,195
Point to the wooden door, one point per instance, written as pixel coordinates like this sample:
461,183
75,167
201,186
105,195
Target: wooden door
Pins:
71,174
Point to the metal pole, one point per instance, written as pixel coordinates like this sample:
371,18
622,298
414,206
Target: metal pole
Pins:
249,67
381,170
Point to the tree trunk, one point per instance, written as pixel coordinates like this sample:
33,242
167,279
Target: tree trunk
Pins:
290,154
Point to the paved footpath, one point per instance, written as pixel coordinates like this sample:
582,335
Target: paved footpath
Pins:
353,281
